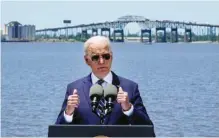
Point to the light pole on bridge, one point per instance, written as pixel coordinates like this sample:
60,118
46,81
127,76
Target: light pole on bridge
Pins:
66,22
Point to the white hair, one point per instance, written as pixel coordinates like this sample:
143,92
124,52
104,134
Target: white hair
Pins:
97,39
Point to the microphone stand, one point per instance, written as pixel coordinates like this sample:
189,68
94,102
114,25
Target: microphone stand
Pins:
102,115
105,110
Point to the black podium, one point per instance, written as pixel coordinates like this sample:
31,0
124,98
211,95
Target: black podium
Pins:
101,130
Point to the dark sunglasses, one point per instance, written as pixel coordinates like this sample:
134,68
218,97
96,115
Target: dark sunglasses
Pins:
104,56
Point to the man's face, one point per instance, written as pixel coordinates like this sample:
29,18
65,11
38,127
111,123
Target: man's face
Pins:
99,58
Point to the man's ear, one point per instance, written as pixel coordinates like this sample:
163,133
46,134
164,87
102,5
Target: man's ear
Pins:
86,60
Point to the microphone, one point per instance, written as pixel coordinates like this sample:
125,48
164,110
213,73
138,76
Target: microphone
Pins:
110,94
96,92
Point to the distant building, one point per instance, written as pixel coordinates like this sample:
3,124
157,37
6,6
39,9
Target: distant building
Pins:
28,32
2,35
16,31
5,29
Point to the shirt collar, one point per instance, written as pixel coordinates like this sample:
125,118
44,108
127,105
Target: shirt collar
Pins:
108,78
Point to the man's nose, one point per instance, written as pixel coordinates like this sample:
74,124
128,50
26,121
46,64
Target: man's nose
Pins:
101,60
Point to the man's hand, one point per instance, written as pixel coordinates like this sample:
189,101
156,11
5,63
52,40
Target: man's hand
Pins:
123,99
72,103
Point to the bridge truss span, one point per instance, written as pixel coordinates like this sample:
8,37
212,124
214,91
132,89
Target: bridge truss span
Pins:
153,26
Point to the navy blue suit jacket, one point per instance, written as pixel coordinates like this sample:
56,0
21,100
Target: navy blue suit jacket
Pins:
84,115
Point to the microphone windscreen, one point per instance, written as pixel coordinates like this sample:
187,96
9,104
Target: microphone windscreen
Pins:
96,90
110,90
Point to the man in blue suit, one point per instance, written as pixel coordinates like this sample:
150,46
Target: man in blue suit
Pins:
128,107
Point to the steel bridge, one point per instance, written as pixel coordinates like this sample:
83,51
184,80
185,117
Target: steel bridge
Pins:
148,28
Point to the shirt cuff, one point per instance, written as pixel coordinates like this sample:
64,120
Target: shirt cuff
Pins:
68,118
129,112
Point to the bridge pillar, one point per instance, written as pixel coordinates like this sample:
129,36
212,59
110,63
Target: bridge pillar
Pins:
213,36
186,39
146,31
94,32
66,33
84,35
54,35
164,35
174,38
118,32
46,35
107,30
217,34
60,34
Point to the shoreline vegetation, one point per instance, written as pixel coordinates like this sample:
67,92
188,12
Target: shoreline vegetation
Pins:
127,38
137,39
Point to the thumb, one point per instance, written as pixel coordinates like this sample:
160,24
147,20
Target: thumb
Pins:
75,91
120,89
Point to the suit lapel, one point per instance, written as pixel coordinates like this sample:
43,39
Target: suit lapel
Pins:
116,80
86,88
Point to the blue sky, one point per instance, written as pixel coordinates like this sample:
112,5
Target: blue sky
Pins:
46,14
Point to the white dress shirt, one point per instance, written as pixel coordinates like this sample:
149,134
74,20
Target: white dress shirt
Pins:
107,80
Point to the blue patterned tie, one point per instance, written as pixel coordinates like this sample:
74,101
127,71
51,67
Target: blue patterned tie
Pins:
101,105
